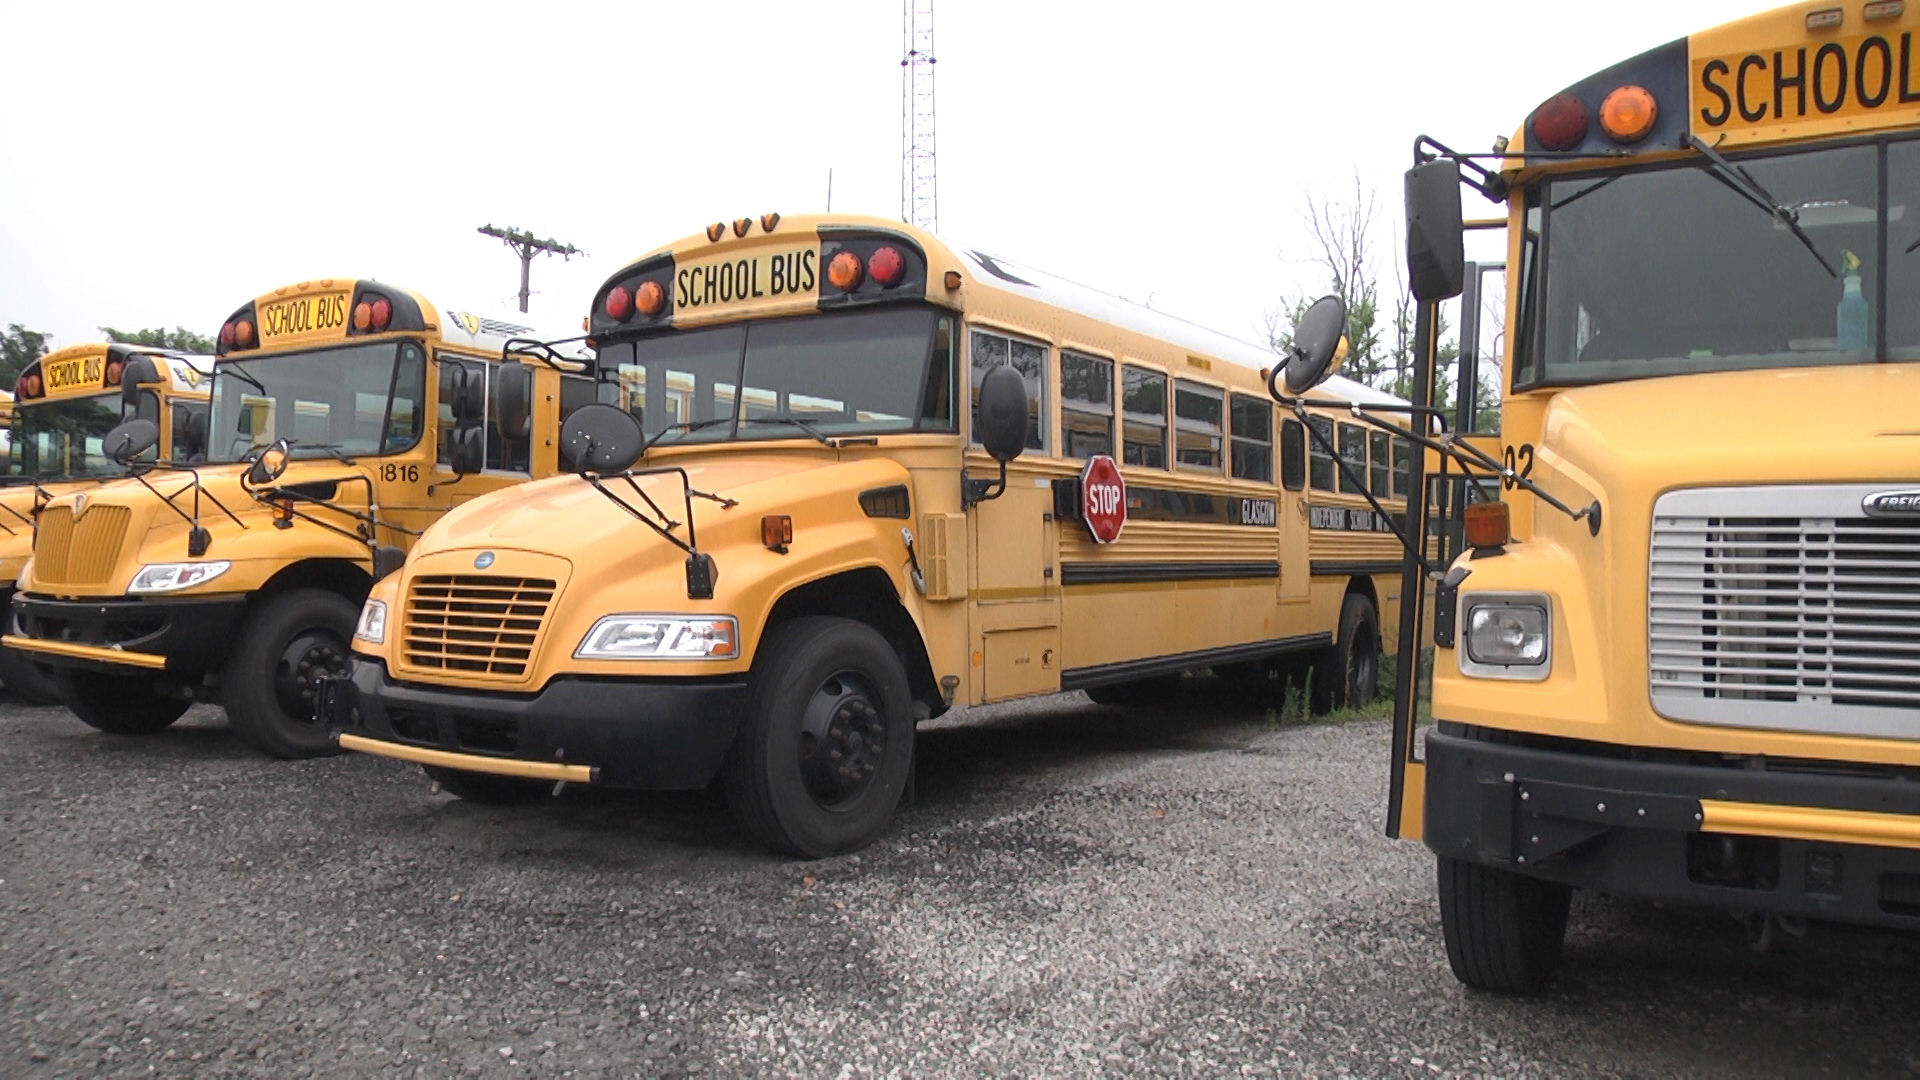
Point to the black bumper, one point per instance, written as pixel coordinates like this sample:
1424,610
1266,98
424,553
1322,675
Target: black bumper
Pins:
658,734
195,635
1633,828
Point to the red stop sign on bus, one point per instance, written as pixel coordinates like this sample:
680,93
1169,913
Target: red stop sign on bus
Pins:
1103,498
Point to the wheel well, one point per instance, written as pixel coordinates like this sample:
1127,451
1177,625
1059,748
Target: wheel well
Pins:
334,575
867,595
1362,586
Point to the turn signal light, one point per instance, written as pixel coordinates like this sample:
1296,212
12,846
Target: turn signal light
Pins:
619,303
1628,114
845,271
363,316
113,373
888,267
776,532
1489,525
27,386
650,298
1560,123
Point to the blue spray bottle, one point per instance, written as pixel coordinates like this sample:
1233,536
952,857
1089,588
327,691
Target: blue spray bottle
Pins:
1851,315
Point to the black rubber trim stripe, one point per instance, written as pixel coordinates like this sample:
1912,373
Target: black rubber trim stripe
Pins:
1117,573
1128,670
1354,569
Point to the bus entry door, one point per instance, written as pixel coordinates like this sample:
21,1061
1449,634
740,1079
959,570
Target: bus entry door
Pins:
1016,610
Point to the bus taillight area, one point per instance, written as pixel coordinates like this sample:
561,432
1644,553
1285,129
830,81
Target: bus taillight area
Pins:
1798,839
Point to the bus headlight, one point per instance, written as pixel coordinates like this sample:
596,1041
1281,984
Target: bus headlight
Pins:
372,627
661,637
1508,636
171,577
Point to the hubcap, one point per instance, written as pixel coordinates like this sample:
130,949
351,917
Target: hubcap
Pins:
843,741
308,657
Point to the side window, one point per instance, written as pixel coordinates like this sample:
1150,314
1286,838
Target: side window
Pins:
1319,455
936,398
1143,410
575,391
404,414
1199,427
1378,457
1252,439
504,454
1086,405
1401,458
990,350
1293,455
1353,451
475,370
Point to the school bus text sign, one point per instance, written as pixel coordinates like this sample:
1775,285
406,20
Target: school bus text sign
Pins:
1861,82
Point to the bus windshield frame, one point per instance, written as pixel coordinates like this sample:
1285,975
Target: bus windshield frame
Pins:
1653,271
63,422
384,373
869,372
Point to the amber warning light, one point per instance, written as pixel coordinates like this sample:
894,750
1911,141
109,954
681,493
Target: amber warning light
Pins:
1488,525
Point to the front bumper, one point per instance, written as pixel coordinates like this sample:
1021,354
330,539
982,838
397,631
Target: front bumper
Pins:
1806,843
186,636
661,734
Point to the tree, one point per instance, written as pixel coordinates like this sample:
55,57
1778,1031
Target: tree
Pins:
18,348
179,339
1342,233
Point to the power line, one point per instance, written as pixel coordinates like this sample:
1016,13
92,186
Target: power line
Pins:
526,245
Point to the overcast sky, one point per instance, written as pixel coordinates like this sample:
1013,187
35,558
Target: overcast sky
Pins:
163,163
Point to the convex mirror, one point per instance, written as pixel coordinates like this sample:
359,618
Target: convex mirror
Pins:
130,439
1002,418
601,438
1319,341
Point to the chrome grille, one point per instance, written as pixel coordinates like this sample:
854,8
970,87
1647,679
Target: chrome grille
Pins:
474,624
1785,608
78,552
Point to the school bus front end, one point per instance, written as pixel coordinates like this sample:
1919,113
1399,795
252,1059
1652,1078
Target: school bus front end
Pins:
1697,680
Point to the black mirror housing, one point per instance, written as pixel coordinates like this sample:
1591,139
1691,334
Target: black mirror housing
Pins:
1436,242
464,393
1316,341
513,395
131,439
601,438
1002,417
469,451
138,371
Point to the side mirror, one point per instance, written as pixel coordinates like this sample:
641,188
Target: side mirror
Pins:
1318,340
513,395
270,465
464,392
601,438
190,435
1436,245
1002,418
469,451
131,439
141,370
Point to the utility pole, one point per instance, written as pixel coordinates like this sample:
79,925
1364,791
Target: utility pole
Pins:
526,245
919,188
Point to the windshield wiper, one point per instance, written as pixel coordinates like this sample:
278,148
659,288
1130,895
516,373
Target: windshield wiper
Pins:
803,425
233,368
684,426
1744,185
332,450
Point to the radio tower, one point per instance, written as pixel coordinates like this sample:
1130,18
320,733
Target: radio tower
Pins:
919,186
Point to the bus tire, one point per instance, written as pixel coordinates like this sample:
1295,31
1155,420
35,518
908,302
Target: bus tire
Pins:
1138,693
119,704
1504,931
826,746
30,682
1348,672
486,788
287,641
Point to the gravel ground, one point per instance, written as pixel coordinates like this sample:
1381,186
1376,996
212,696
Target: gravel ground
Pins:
1075,889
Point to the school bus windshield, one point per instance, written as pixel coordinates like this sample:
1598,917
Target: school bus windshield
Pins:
1674,271
360,400
864,373
65,440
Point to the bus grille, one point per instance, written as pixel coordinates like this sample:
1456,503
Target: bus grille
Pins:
83,552
1804,622
475,624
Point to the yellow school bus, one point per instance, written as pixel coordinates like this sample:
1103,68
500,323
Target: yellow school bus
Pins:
1681,659
882,476
63,406
346,416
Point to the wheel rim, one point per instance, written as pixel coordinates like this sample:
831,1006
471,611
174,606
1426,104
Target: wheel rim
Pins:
843,741
309,656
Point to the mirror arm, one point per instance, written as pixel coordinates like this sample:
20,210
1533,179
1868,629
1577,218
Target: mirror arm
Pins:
974,491
1326,445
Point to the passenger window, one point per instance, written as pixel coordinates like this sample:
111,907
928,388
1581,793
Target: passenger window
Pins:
1252,439
1401,458
1143,409
1200,427
1086,405
1378,458
936,400
475,370
575,391
990,350
1353,451
1293,455
1320,454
